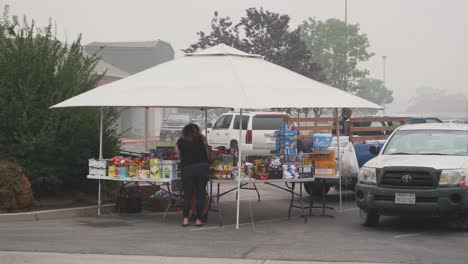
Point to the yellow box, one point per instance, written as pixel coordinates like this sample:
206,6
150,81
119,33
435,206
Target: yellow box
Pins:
112,171
155,169
325,168
322,155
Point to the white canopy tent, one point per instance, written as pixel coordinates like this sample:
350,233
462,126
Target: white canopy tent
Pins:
217,77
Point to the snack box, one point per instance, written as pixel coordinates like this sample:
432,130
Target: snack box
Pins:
306,171
133,169
112,171
122,172
143,174
169,169
97,171
155,169
100,164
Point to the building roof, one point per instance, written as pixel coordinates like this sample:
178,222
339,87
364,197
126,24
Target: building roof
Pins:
132,57
140,44
109,69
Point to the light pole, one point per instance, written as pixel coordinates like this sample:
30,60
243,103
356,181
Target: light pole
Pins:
346,12
384,59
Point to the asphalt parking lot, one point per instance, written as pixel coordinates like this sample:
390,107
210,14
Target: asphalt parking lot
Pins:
265,233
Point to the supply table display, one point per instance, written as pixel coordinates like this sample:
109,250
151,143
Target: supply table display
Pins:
149,168
288,167
165,183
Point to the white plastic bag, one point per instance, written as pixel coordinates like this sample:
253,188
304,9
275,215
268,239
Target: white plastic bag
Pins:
349,166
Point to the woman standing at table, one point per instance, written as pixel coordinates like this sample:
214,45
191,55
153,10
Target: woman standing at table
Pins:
195,170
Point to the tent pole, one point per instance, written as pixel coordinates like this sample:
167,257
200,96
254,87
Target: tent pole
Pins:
146,129
339,156
239,166
101,128
206,124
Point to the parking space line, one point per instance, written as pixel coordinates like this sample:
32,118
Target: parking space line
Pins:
409,235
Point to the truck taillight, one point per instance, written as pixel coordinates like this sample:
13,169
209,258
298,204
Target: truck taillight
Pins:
248,137
463,181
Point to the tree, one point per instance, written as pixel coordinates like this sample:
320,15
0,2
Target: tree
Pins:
375,91
338,48
53,145
265,33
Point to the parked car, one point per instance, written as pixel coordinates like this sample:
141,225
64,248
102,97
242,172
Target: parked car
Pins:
172,126
421,169
257,135
362,149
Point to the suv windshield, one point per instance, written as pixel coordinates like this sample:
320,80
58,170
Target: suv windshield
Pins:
428,142
267,122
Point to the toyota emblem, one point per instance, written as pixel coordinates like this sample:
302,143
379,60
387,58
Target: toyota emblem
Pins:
406,178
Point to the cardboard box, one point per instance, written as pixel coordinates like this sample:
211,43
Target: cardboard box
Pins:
321,155
325,168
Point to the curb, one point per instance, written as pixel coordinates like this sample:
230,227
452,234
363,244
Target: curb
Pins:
56,214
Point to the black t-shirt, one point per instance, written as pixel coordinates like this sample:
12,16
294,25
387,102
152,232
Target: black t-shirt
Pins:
192,152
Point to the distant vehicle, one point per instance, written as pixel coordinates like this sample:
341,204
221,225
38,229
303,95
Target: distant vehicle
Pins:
172,126
421,169
257,136
456,121
413,119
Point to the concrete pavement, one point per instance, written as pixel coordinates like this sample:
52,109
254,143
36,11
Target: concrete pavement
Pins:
60,258
271,236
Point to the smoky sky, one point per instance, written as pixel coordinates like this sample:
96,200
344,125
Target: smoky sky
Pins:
425,41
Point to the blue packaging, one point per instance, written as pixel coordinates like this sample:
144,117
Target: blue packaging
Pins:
322,141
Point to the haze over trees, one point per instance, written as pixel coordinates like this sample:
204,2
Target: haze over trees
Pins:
438,102
327,51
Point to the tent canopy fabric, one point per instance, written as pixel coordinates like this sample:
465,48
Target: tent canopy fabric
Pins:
218,77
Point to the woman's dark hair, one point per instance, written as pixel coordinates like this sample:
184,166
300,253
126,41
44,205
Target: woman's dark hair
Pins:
191,132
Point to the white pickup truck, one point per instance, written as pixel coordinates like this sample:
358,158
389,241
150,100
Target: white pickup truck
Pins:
421,169
258,130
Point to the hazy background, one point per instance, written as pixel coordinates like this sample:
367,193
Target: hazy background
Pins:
425,41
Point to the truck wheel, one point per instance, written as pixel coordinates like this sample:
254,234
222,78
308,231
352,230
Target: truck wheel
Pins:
370,219
316,189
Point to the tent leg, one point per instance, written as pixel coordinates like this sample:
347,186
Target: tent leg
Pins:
339,156
101,128
239,165
146,129
206,124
